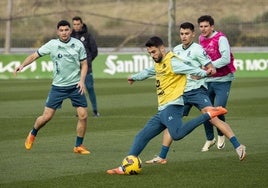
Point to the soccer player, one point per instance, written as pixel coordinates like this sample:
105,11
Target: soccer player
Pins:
170,74
80,32
217,47
195,93
70,68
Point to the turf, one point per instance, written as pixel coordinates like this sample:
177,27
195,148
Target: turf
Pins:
124,110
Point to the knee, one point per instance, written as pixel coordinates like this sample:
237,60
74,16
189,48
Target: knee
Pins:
176,137
82,116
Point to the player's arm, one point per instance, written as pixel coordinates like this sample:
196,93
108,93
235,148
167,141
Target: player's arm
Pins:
93,47
210,68
144,74
182,68
204,60
224,49
31,58
81,83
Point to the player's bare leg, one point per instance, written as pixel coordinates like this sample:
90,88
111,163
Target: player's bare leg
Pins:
81,130
39,123
44,118
228,132
166,143
82,121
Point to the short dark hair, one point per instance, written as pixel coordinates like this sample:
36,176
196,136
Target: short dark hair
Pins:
154,41
77,18
63,23
206,18
187,25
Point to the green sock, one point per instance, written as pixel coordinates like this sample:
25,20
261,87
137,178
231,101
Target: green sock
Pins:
79,141
34,131
164,151
235,142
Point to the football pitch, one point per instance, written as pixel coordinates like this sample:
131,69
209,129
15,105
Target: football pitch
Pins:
124,111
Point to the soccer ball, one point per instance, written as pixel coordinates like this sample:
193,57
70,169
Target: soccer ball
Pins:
131,165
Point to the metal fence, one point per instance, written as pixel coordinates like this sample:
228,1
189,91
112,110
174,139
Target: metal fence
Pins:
34,24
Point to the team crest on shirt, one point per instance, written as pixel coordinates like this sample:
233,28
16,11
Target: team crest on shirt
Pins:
72,45
205,54
164,66
189,54
82,38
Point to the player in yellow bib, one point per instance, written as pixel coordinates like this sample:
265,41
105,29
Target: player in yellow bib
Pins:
170,74
196,93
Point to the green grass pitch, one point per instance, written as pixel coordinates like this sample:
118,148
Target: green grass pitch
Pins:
124,111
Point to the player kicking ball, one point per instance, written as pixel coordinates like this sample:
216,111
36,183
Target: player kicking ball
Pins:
170,74
196,94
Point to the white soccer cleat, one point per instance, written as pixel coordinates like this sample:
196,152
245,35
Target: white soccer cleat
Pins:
208,144
221,142
156,160
241,152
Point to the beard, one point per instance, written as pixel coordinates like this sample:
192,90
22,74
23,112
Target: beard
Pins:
159,59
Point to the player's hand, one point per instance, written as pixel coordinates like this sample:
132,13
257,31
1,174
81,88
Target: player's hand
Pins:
196,77
81,87
17,69
130,80
211,71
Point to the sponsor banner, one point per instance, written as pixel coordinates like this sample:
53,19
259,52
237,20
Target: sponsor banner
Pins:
123,65
42,68
120,65
251,64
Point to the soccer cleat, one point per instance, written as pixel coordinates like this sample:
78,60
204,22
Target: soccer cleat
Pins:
81,149
221,142
156,160
96,114
117,170
208,144
241,152
29,141
216,111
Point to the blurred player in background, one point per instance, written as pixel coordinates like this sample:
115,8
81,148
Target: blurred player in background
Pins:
195,93
218,49
80,31
69,72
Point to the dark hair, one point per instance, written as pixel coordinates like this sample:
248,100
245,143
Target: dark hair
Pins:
154,41
63,23
77,18
206,18
187,25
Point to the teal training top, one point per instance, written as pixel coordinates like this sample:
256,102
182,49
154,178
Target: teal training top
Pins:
66,58
194,56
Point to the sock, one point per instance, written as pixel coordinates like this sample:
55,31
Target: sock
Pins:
164,151
34,131
235,142
79,141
